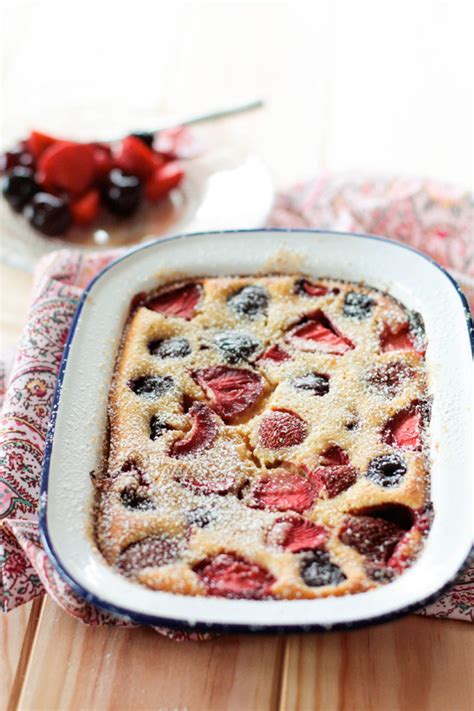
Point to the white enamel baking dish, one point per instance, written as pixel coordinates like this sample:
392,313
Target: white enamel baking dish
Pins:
78,424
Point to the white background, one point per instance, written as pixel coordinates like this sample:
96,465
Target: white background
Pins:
349,84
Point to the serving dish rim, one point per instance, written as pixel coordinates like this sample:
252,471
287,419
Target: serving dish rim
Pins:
199,626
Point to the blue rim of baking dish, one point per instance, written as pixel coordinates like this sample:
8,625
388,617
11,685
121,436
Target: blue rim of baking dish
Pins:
183,625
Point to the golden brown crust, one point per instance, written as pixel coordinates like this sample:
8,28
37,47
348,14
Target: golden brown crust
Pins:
351,416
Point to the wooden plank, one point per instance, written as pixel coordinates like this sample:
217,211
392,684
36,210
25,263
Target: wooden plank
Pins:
17,630
415,664
107,668
12,631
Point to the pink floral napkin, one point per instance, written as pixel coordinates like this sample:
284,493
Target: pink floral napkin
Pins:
432,217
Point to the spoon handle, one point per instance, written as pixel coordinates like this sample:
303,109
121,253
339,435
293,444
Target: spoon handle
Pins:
214,115
201,118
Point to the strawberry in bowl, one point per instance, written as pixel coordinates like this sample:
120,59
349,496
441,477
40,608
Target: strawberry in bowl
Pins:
57,184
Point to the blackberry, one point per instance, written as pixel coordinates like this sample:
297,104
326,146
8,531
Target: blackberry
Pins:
357,305
316,383
133,499
176,347
236,346
151,386
200,517
157,427
250,301
387,470
317,570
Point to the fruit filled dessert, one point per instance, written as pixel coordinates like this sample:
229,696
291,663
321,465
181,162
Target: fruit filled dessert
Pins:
57,183
268,439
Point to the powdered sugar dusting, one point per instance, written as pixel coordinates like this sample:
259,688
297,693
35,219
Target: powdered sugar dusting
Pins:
209,441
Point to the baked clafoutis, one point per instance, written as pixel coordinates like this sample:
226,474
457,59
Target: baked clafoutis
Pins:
268,438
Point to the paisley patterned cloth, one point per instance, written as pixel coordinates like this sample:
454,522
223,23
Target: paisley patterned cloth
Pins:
429,216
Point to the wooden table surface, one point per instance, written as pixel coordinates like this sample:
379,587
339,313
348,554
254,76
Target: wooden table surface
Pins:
330,106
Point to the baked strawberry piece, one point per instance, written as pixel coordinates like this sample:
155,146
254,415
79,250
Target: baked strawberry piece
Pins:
232,576
296,534
180,302
284,490
231,391
387,379
404,430
371,537
149,552
305,287
280,429
333,479
406,336
201,436
317,333
275,353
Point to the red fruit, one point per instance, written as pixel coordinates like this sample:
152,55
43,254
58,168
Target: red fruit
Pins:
333,479
386,379
282,428
85,209
38,142
103,160
130,467
231,391
399,340
17,157
372,537
284,491
402,553
177,142
335,455
275,353
179,302
317,333
163,180
304,286
67,166
210,485
230,575
151,551
297,534
424,519
404,429
136,158
201,436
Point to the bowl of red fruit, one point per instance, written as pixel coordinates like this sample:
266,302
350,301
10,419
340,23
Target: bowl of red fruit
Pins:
58,192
